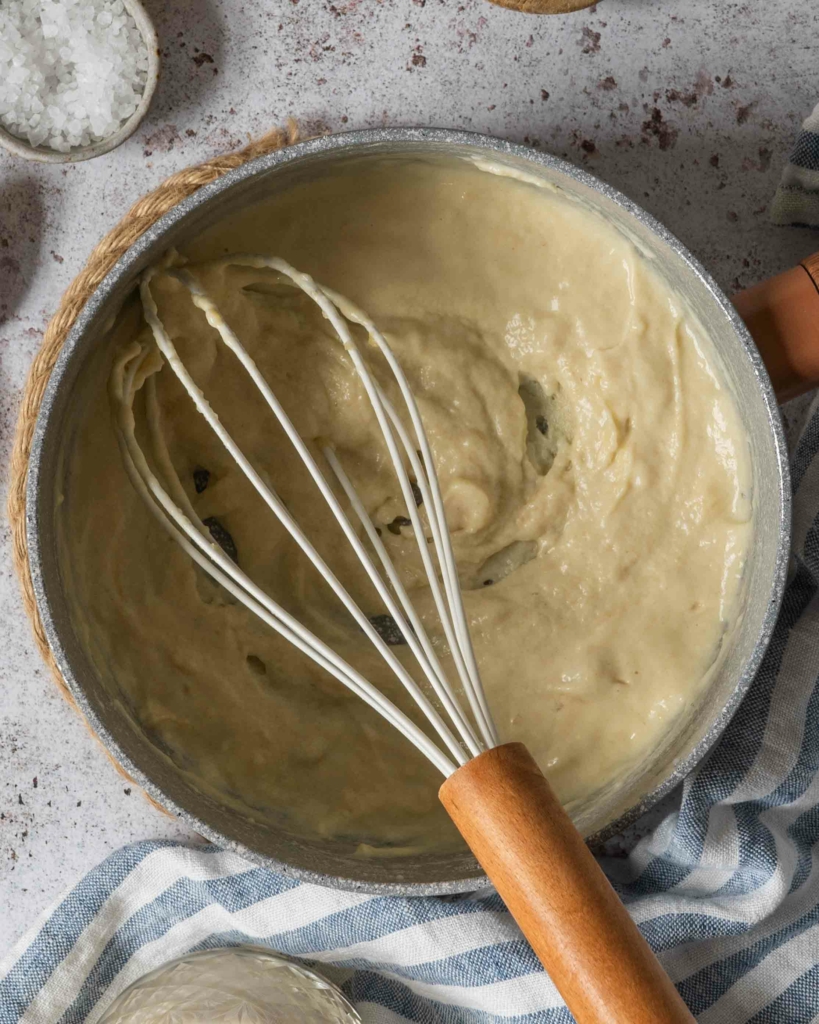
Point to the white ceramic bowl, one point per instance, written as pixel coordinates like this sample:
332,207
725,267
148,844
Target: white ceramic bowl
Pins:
46,155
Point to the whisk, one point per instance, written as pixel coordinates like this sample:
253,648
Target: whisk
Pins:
495,793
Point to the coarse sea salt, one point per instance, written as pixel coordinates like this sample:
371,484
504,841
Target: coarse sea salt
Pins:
71,71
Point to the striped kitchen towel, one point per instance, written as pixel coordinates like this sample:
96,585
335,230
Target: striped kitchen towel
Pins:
797,198
726,889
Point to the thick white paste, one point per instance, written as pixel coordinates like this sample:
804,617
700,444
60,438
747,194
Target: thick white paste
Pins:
593,466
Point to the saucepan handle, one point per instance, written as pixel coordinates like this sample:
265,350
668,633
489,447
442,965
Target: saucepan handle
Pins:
557,893
782,315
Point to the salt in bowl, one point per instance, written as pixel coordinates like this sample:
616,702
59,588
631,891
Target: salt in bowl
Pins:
45,154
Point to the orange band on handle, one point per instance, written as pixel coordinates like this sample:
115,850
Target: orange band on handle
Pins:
782,315
554,888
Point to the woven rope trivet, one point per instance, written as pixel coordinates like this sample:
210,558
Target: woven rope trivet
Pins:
139,218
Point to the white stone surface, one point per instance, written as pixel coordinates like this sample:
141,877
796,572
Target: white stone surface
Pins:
690,108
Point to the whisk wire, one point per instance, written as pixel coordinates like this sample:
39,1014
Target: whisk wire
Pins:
454,623
413,631
179,519
457,630
455,713
210,557
168,349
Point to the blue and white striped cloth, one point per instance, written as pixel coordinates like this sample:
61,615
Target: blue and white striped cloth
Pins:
797,199
726,889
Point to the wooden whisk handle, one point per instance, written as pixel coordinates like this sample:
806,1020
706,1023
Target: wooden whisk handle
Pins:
524,840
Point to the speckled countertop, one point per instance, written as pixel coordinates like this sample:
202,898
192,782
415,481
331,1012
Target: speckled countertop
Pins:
689,108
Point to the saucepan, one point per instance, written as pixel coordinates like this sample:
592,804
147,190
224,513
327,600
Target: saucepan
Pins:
777,312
